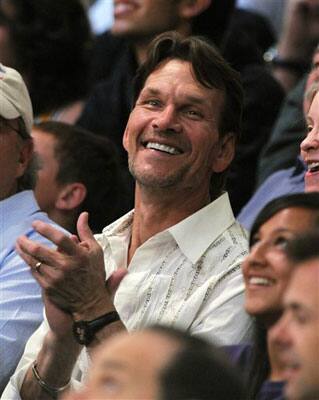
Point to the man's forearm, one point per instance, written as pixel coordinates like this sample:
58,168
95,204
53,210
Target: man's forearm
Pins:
54,365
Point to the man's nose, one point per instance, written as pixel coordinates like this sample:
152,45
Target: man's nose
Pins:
167,120
257,253
279,333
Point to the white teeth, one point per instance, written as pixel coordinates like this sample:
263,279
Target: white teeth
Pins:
162,147
314,166
260,281
122,7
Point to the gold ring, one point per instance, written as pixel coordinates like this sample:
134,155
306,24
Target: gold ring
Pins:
38,266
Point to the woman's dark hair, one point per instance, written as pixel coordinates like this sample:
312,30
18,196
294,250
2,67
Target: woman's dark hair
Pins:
260,366
302,200
304,247
51,40
210,70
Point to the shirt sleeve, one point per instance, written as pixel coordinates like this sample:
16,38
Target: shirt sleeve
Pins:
21,310
32,348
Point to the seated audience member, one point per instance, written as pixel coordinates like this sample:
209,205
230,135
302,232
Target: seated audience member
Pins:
266,273
296,334
48,42
158,363
283,145
78,172
304,177
262,101
181,246
126,44
297,41
20,300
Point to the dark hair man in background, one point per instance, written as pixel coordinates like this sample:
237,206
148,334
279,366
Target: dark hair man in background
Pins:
297,332
78,172
159,363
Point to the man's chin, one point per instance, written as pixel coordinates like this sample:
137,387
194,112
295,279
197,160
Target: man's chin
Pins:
154,180
299,391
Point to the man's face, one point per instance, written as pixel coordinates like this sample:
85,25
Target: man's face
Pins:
310,147
172,135
297,333
47,188
127,367
313,79
144,18
13,150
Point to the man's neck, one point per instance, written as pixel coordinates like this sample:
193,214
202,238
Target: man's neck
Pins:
156,212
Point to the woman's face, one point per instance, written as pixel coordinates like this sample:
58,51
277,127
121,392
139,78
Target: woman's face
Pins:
266,269
310,147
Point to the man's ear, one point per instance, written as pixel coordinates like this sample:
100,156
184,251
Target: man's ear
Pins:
225,152
25,156
191,8
125,139
71,196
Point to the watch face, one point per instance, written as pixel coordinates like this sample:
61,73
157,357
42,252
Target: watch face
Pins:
82,332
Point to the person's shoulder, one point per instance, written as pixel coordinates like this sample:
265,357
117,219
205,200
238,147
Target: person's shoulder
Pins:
34,235
239,354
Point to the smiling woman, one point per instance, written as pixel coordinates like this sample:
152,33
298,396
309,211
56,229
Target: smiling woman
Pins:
266,273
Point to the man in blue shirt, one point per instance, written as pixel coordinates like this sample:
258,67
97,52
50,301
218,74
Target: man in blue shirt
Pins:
20,295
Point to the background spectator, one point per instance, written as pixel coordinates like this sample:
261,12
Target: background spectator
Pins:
48,42
158,363
266,273
296,334
20,301
78,172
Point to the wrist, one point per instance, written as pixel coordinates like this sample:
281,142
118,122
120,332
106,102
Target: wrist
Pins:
85,331
53,391
93,310
293,65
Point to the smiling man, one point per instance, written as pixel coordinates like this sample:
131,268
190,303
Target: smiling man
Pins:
181,247
297,333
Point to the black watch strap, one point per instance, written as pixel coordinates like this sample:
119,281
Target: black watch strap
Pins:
84,331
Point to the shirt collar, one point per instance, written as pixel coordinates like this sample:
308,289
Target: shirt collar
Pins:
196,233
120,226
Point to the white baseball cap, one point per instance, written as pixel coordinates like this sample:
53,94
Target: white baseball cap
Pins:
14,97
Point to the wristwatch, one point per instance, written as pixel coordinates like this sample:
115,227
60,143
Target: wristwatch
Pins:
84,331
272,58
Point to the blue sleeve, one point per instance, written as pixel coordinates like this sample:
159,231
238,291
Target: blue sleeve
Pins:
21,309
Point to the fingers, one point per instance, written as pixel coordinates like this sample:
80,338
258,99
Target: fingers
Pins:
39,269
83,228
60,239
32,252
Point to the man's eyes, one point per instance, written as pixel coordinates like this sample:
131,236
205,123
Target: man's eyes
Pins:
152,102
183,111
281,242
309,128
193,114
